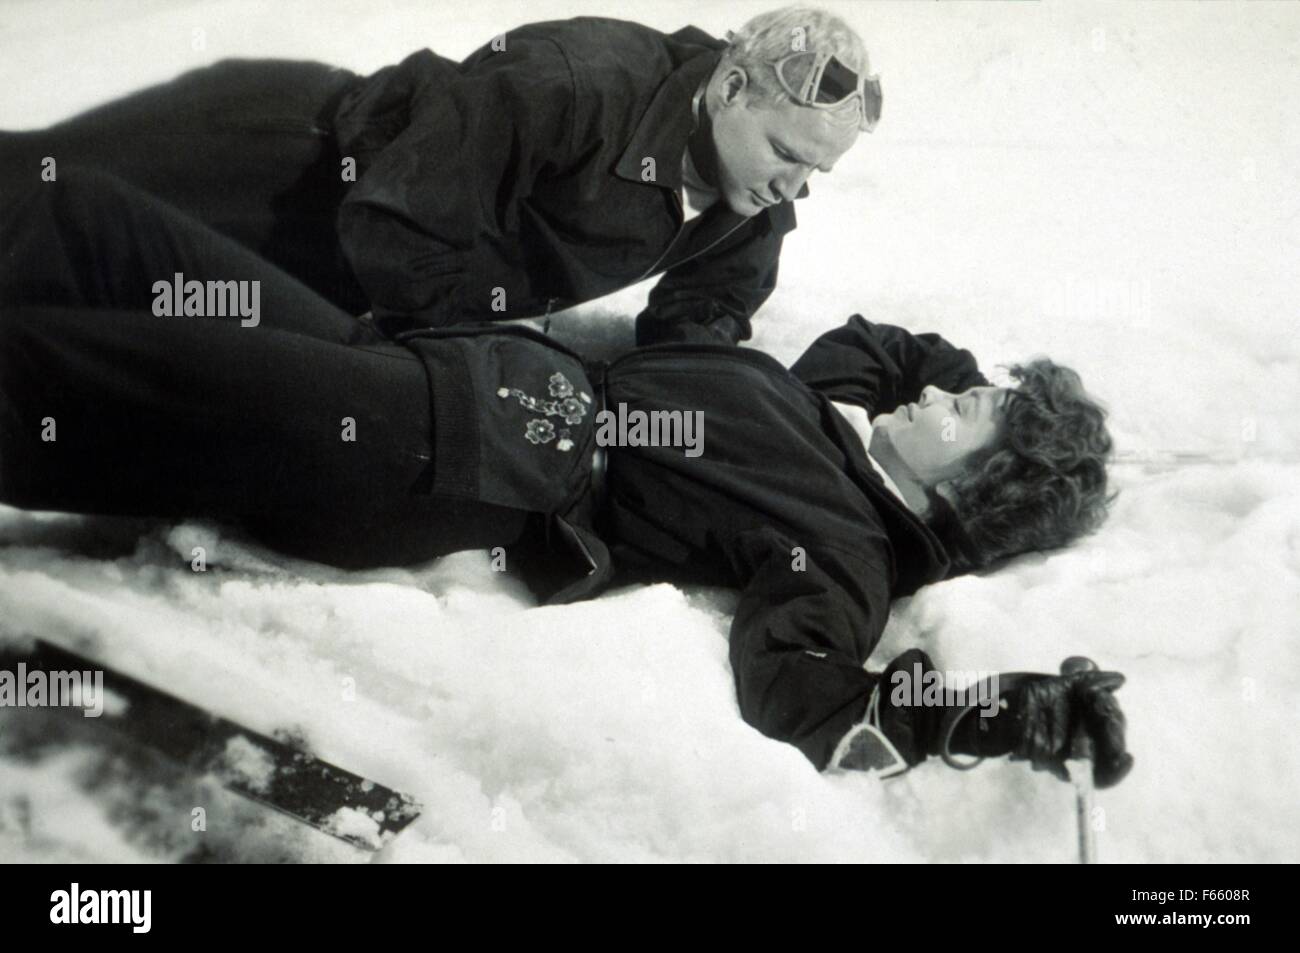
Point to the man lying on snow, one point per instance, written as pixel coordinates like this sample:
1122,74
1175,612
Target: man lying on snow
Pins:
880,462
559,162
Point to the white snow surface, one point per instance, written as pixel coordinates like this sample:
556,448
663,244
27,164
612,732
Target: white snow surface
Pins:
1114,185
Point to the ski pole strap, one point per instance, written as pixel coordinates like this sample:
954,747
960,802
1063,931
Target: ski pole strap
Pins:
946,750
952,719
865,747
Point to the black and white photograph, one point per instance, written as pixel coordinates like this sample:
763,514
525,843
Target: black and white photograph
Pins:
713,432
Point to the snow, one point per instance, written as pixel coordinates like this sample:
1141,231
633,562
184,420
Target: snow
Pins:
353,823
246,766
1114,185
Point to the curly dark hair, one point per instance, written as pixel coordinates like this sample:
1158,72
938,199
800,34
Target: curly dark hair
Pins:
1042,484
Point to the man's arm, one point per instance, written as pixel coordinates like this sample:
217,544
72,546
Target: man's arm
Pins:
710,299
880,366
444,154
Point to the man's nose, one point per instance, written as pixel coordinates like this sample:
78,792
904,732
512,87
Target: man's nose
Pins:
786,187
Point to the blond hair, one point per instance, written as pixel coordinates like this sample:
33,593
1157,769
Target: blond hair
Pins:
771,36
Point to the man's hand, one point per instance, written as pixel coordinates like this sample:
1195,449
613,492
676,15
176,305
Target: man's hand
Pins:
1048,711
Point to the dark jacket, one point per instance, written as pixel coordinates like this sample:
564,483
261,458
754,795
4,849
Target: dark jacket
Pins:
782,504
522,169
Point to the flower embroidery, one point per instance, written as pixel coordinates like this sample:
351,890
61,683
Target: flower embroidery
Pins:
571,409
560,386
540,431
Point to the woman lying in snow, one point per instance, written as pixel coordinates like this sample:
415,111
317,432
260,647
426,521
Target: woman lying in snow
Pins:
880,462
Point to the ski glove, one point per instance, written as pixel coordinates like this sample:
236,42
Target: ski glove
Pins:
1037,719
1047,711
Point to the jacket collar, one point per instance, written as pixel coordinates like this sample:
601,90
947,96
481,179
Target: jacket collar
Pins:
662,132
919,556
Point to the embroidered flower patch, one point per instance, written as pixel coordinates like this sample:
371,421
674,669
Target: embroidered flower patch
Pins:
540,431
568,407
560,386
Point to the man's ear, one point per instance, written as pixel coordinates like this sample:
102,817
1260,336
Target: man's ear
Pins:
734,82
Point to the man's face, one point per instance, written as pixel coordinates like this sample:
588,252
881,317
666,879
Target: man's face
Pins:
936,435
766,151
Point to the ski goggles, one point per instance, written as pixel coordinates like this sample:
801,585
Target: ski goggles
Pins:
821,81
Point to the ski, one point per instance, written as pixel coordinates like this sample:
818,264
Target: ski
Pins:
354,809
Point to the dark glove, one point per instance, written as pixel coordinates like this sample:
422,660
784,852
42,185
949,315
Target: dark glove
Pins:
1048,710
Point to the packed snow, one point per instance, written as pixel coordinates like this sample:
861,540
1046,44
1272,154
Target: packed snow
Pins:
1114,185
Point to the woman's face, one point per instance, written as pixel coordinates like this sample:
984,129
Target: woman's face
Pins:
935,436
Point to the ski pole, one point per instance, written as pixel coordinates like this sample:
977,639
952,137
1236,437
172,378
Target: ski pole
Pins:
1079,766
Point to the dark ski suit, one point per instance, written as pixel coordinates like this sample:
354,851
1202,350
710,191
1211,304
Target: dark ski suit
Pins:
466,437
521,181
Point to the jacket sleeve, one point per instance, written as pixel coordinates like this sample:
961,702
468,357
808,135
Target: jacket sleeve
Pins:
444,154
800,637
711,298
880,366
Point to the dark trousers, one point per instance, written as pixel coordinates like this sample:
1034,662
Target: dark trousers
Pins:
107,408
244,146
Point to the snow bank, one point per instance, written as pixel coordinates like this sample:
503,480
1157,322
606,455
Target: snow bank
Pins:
1113,185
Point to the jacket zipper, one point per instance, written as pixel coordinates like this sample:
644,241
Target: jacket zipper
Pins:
678,234
681,225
